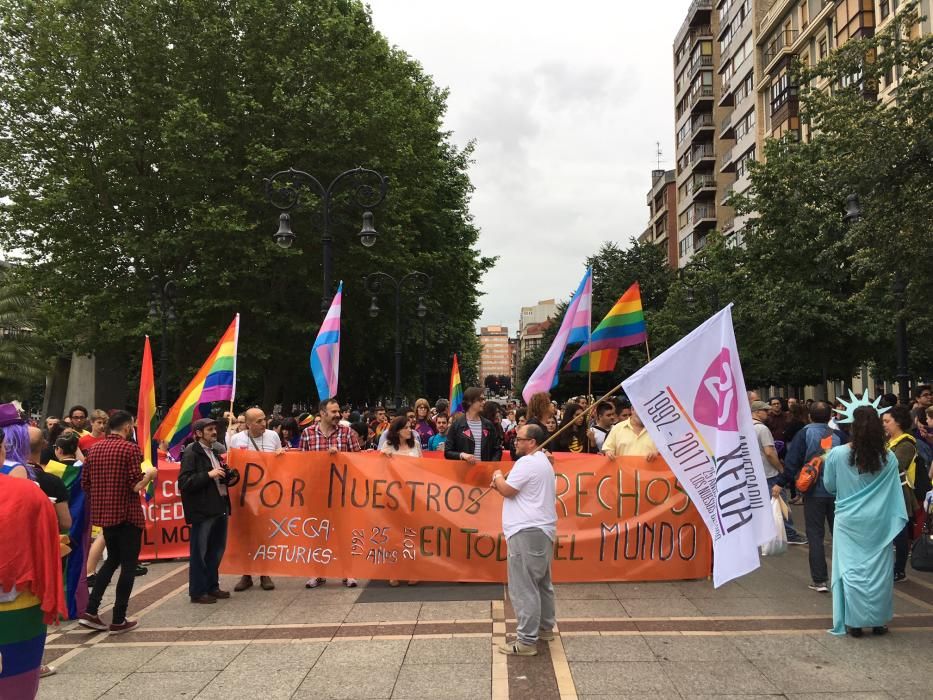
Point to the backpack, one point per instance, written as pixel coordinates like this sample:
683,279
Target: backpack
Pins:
810,472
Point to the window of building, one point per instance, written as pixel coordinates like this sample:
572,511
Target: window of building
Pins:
821,52
743,163
854,18
804,14
745,124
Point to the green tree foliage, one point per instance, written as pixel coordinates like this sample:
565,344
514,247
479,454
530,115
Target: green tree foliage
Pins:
812,292
136,136
22,354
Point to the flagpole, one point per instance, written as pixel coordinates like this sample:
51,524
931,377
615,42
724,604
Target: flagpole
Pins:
586,413
647,349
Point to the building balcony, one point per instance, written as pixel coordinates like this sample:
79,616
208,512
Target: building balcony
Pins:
728,192
704,183
702,152
699,95
726,128
728,165
701,122
698,63
703,213
779,46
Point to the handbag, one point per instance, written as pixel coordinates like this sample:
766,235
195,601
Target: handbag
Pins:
921,556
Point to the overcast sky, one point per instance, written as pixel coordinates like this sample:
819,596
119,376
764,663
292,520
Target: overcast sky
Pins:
566,101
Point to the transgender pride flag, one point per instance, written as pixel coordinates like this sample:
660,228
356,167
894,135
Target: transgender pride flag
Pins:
325,354
575,328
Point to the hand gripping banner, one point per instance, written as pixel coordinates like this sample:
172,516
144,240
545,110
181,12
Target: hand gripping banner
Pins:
364,515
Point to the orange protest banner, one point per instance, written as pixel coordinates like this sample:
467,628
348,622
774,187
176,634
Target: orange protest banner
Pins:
364,515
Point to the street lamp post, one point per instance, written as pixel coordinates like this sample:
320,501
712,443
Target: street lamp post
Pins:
852,216
162,307
421,285
284,191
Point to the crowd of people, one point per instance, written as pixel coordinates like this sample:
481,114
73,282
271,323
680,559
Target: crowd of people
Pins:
868,453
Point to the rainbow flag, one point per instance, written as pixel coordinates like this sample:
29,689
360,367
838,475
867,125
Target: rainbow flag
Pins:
215,381
624,325
325,353
74,566
456,388
574,328
146,414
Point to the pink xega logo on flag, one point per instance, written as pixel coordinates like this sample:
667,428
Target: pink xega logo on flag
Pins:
716,402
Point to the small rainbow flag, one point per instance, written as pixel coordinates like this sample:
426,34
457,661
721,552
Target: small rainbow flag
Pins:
624,325
146,413
456,388
215,381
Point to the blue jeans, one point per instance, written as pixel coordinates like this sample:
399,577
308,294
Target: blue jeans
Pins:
208,542
789,523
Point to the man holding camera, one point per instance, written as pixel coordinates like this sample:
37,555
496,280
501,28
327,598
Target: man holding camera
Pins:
203,482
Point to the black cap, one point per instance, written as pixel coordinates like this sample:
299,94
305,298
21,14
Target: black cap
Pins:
202,423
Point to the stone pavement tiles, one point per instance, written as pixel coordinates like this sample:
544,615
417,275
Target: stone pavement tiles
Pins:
761,636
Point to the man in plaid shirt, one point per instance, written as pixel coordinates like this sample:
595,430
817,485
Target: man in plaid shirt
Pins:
112,480
327,435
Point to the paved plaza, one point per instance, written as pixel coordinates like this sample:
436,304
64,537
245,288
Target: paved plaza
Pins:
764,636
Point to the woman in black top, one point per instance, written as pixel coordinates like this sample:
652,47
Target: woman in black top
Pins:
575,438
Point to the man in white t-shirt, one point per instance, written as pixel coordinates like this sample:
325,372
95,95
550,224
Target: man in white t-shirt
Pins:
529,523
258,438
771,462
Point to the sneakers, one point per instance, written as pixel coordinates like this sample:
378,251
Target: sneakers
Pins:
899,576
546,635
244,583
45,671
797,539
818,587
516,648
92,622
350,582
315,582
125,626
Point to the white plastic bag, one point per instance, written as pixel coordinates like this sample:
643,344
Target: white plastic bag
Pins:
778,545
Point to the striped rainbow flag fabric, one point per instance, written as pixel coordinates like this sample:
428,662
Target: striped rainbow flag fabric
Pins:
74,565
215,381
624,325
146,414
22,644
456,388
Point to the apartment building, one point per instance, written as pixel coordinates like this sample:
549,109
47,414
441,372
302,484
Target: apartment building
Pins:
737,130
495,352
662,217
697,114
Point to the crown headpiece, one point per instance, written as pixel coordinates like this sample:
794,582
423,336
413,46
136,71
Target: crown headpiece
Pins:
848,407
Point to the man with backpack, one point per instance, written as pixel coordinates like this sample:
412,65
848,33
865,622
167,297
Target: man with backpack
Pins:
805,454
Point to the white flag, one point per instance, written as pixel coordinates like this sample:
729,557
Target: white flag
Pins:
692,400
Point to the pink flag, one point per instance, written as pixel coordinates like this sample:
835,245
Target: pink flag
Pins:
325,354
574,328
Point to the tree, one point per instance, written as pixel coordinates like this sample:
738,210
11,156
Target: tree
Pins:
22,355
820,302
136,140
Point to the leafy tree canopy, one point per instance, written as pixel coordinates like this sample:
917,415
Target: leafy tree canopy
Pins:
135,139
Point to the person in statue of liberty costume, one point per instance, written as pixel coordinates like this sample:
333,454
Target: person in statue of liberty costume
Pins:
863,476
